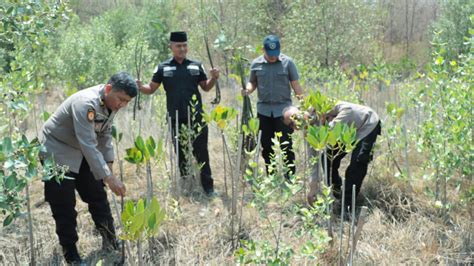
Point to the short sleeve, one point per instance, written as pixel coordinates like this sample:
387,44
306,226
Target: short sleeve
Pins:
202,73
292,71
158,75
253,76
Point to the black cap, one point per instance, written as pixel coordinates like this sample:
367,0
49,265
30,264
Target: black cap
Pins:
178,36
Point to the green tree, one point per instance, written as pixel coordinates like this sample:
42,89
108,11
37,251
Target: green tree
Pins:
453,26
326,31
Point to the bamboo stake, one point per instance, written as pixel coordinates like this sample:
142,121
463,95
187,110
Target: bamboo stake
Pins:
257,153
149,181
328,184
178,170
245,185
171,154
127,245
360,224
341,228
305,162
30,227
352,224
234,192
225,170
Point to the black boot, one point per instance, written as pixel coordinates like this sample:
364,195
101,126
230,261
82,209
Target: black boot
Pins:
71,255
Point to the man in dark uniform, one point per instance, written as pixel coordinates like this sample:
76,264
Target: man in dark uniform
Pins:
79,135
180,77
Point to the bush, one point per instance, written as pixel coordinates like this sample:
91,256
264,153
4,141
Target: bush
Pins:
89,53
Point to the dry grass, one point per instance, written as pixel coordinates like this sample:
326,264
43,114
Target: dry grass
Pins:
403,225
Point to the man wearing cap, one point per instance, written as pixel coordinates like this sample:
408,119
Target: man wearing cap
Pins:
79,135
181,77
274,75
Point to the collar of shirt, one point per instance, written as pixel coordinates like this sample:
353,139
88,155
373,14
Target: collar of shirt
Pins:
261,59
104,113
173,60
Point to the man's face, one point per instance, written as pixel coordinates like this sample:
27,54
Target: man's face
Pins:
179,49
270,59
115,100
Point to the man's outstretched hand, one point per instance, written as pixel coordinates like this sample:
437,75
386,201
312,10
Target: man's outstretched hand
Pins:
115,185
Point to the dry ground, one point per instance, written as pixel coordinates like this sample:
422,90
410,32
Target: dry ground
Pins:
403,225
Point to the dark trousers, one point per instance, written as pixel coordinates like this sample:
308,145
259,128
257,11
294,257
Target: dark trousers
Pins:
62,200
269,126
357,169
200,152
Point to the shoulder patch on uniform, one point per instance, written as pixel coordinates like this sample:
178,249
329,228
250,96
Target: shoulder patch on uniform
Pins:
91,114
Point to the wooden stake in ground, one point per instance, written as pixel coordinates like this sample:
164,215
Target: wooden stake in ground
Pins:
244,184
172,164
229,157
352,223
119,218
223,158
138,63
360,224
121,208
149,181
305,162
30,227
257,154
341,228
328,184
177,172
234,192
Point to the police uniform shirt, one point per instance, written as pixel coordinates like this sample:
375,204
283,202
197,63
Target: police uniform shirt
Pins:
363,118
180,82
273,84
81,128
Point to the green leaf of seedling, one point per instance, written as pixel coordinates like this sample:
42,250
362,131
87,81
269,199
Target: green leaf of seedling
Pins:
151,146
114,132
24,140
254,124
134,156
332,139
152,222
137,225
159,149
11,182
46,116
140,144
246,130
8,220
140,206
129,208
7,145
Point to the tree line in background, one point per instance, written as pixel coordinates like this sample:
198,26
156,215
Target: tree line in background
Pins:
328,34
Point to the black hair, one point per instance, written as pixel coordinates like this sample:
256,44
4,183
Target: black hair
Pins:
123,81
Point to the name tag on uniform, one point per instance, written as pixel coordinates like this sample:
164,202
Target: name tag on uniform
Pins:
194,67
169,68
